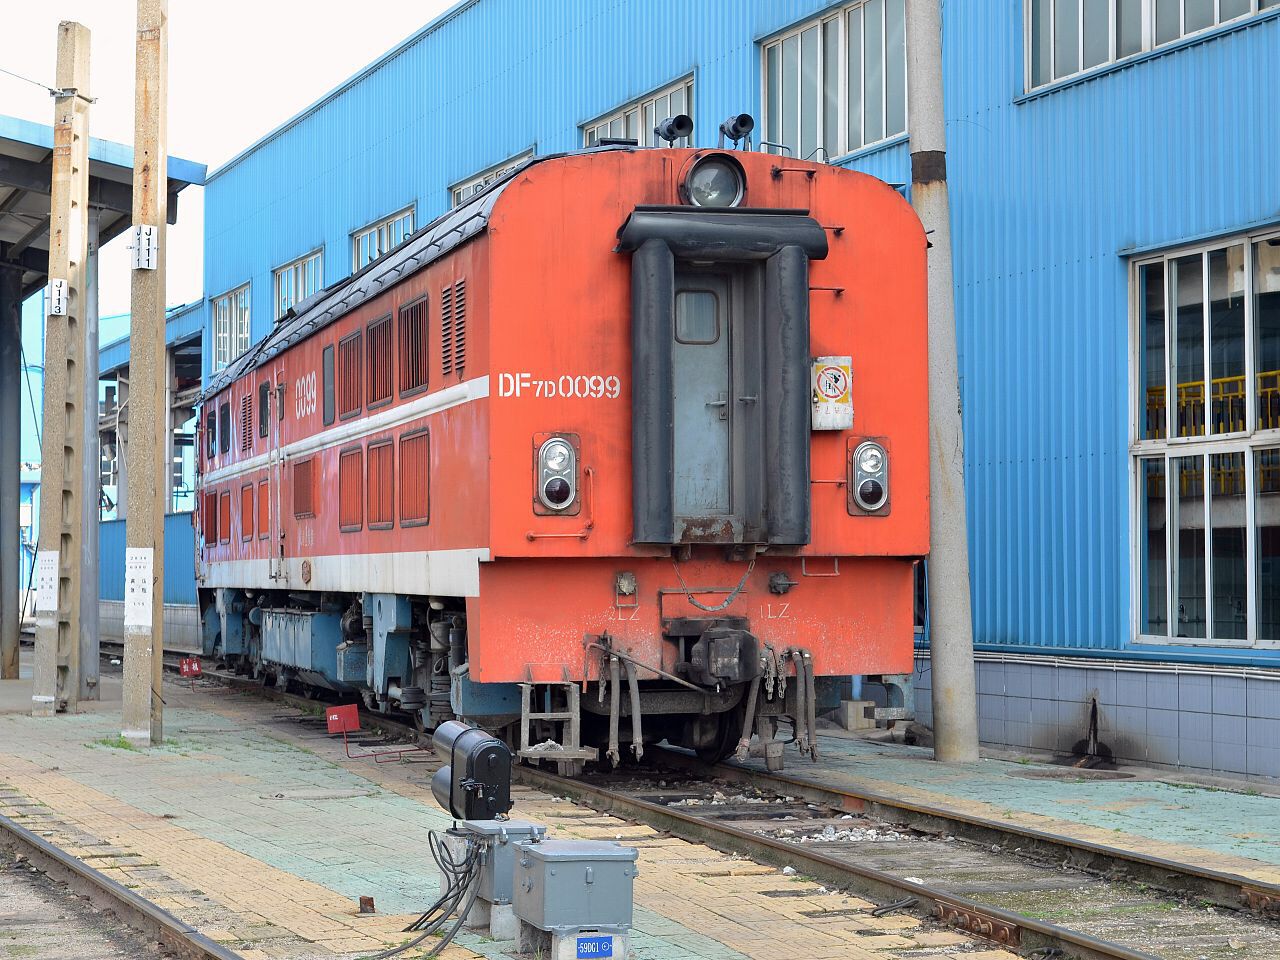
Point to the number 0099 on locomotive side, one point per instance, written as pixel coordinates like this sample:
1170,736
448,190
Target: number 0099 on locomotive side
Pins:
631,446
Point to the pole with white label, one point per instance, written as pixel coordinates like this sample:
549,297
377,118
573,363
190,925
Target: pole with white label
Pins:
56,675
143,717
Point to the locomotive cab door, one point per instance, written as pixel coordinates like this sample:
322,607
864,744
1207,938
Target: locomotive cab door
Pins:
716,398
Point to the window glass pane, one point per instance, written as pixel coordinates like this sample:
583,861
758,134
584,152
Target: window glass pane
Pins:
790,88
1152,363
831,88
1188,292
1066,37
773,93
808,93
1041,38
1128,27
1188,545
1167,27
1155,602
854,73
1097,32
1230,9
1226,339
1227,512
1198,14
697,317
873,72
646,128
1266,318
1266,485
1267,3
895,75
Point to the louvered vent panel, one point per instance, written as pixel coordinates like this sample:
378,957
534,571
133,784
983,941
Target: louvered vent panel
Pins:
246,423
381,502
380,361
460,325
246,512
349,377
415,469
351,490
224,517
264,509
413,347
446,331
209,519
304,501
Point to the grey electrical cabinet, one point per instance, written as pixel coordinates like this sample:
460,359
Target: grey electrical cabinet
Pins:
504,837
563,885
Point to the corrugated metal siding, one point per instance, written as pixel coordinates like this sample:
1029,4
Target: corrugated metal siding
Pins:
1045,193
179,559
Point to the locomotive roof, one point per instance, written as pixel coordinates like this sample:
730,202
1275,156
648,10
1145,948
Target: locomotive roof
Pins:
424,246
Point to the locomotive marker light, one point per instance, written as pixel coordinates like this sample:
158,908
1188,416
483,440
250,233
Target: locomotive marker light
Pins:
716,180
557,474
476,782
870,487
674,128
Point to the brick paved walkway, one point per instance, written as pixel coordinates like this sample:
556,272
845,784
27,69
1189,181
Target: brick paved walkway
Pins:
252,825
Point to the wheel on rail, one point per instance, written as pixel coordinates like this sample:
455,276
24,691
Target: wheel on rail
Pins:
716,736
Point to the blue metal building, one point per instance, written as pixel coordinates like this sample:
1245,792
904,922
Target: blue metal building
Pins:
1117,282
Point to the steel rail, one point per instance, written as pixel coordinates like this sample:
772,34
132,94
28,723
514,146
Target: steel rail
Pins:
1011,930
176,936
1220,887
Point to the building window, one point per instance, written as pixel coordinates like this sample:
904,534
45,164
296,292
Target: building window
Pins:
373,241
1206,444
296,281
230,326
636,120
839,83
468,188
1066,37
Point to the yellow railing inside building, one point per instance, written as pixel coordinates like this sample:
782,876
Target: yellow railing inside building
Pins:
1229,400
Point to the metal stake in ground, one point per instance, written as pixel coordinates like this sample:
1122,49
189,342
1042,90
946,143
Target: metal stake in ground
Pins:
57,662
955,709
143,719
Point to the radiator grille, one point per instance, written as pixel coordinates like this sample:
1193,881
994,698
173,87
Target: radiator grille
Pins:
460,326
304,504
381,494
351,489
380,361
415,469
349,377
446,331
413,347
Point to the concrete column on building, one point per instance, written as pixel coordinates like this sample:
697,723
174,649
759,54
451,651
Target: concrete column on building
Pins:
955,714
10,467
92,474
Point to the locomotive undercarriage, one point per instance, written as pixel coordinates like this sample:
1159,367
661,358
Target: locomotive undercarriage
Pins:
405,655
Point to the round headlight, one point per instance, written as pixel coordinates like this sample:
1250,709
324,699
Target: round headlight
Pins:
871,460
871,493
556,456
715,181
557,491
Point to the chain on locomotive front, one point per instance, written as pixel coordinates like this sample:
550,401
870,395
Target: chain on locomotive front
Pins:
631,446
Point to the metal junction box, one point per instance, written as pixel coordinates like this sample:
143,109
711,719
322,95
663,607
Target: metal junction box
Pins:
498,877
570,885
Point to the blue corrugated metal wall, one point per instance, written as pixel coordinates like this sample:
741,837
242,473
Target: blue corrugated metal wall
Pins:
1047,193
179,559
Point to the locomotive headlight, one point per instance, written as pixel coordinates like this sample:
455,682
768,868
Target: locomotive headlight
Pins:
557,473
715,180
869,484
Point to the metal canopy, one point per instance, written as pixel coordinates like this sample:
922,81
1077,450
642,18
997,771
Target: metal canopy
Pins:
26,151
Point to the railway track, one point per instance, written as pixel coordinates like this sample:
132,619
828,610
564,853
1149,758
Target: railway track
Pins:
1034,893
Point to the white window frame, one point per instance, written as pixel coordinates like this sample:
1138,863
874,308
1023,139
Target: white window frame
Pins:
839,15
290,280
383,232
468,188
1247,441
231,325
1148,35
644,128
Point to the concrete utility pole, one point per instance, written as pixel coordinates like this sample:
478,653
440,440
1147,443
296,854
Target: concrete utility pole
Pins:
57,662
90,637
143,720
10,466
955,712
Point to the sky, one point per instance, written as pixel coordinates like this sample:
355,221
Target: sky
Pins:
237,69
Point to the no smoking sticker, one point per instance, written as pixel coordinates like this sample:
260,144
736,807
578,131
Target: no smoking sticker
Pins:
832,393
833,384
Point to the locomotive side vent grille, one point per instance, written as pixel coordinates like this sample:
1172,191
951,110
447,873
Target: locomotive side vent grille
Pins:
304,504
413,347
349,377
381,495
224,516
415,474
246,512
246,423
446,331
380,361
264,509
209,520
460,325
351,490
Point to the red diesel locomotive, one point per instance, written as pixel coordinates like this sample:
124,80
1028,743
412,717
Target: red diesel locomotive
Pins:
630,446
